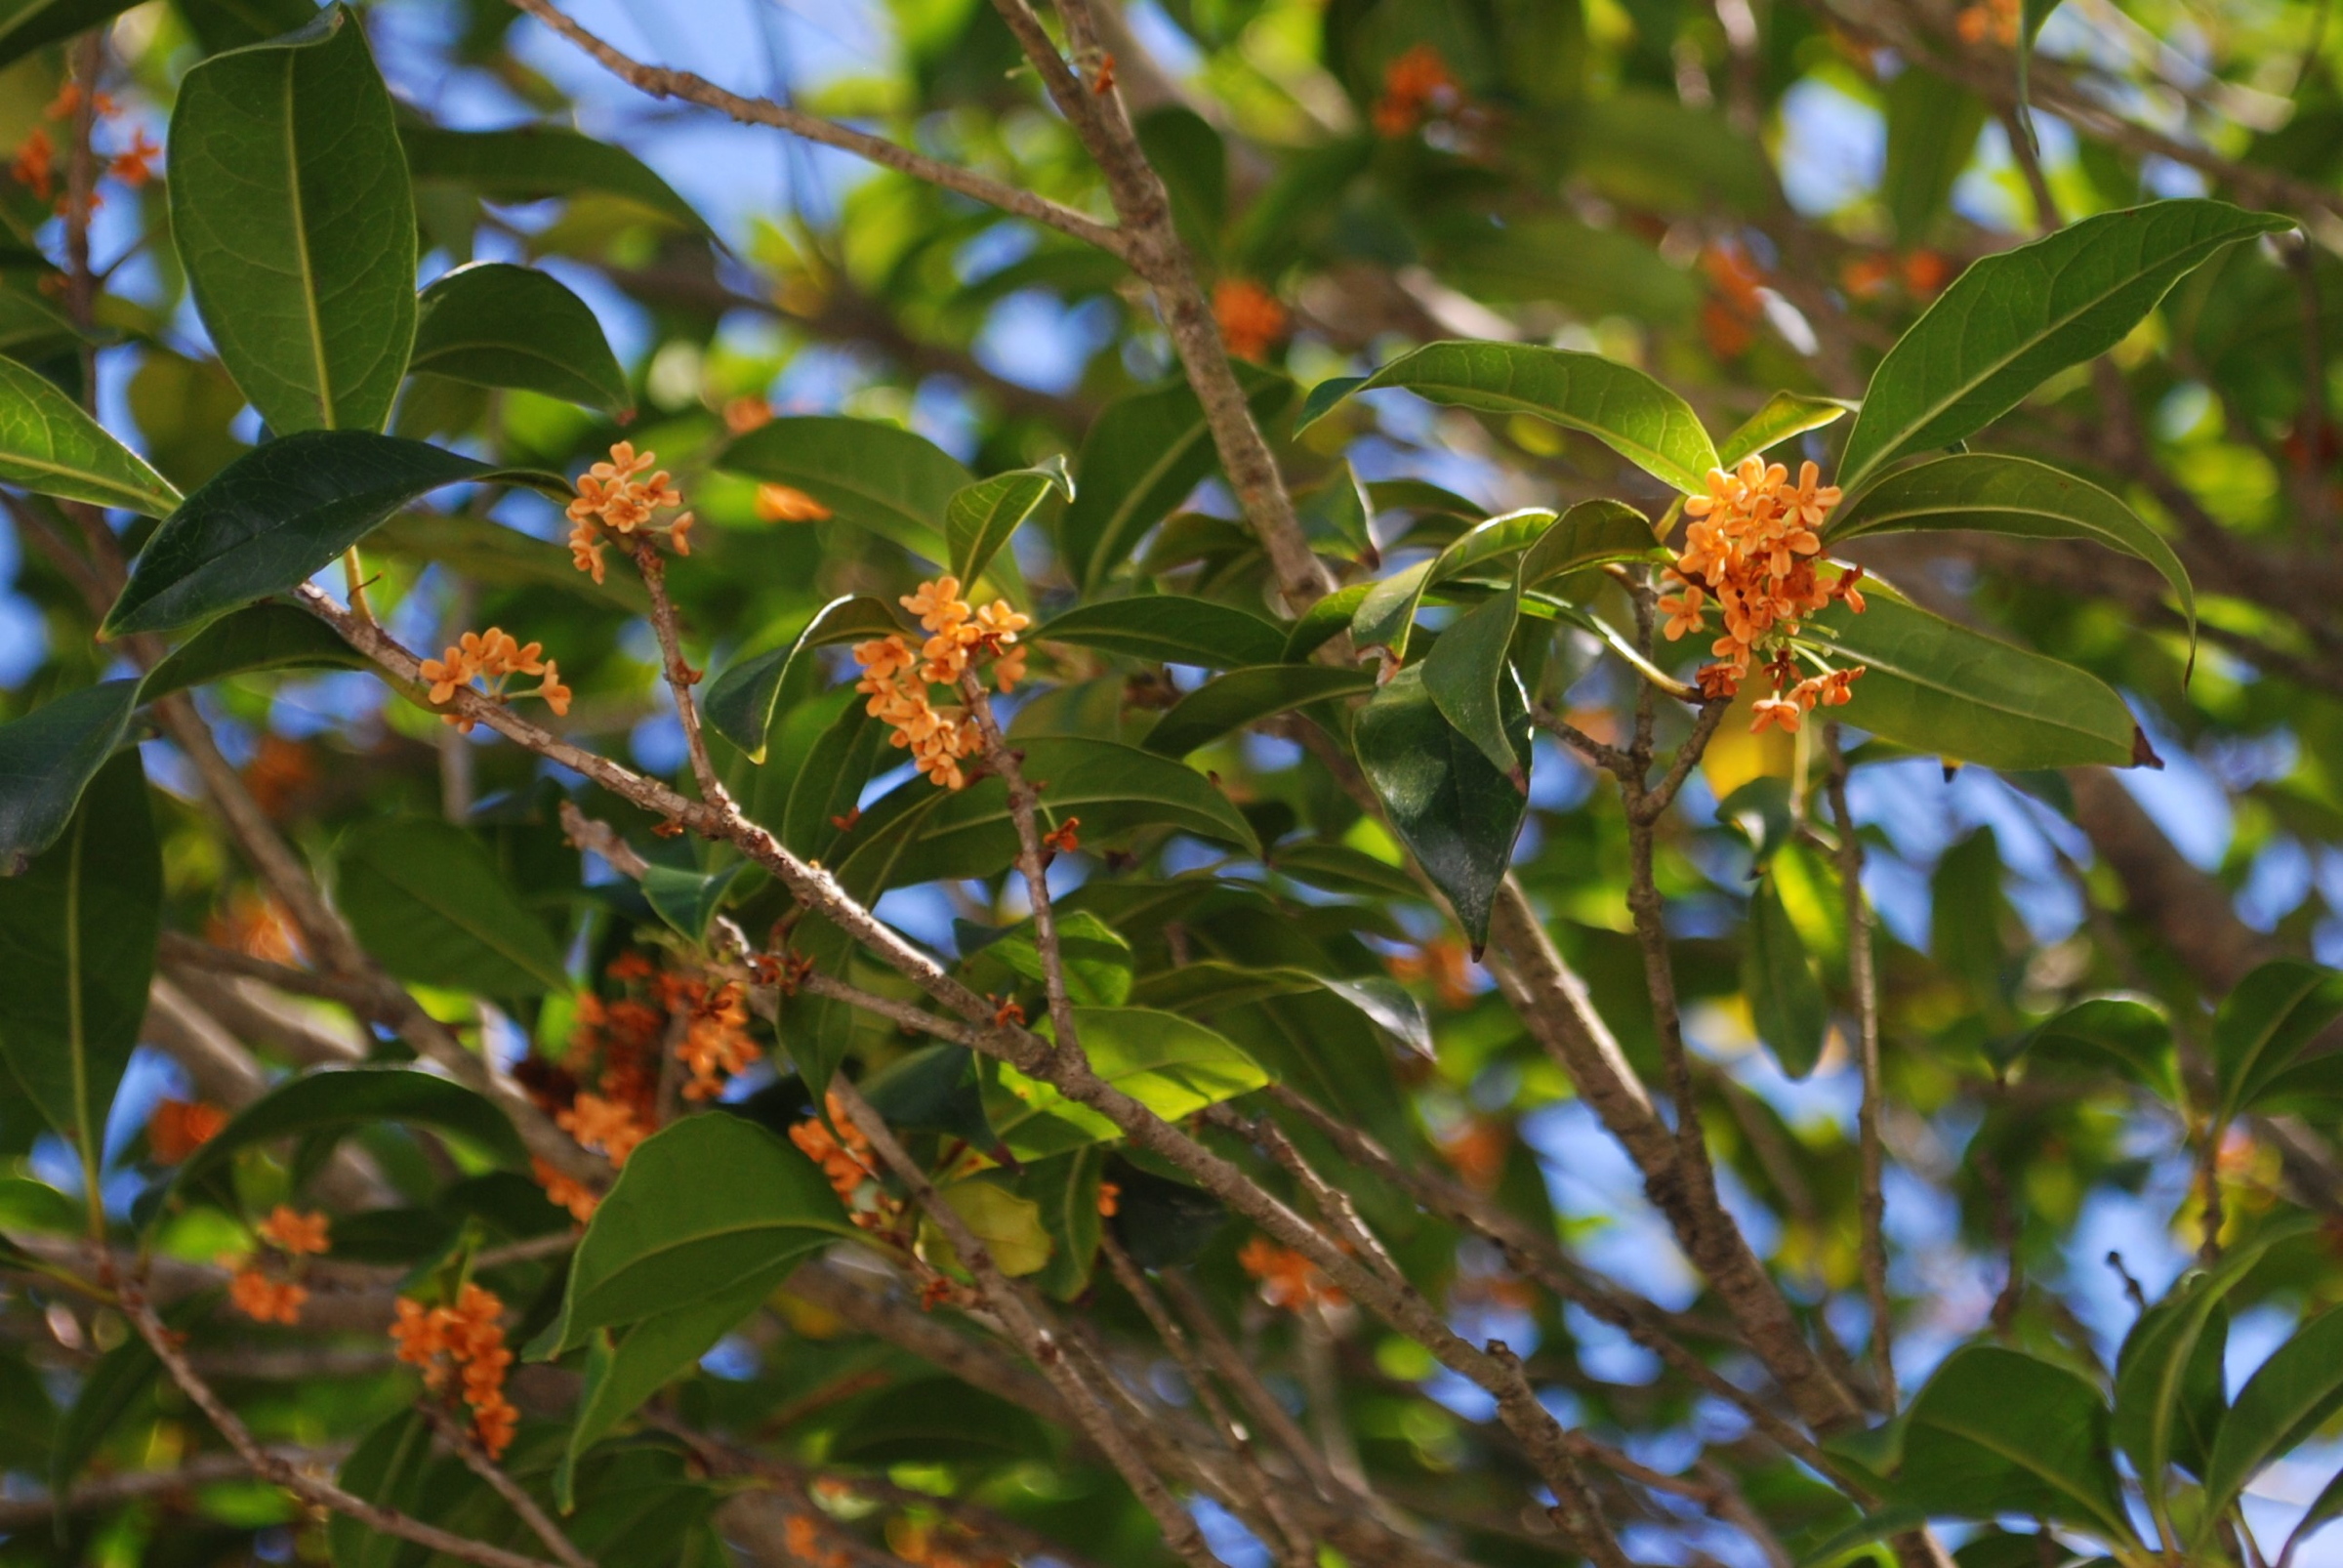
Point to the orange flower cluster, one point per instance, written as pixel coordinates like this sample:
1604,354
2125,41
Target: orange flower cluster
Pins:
1476,1151
923,1542
844,1156
35,163
1445,962
802,1538
469,1338
613,496
255,926
1994,19
611,1127
1416,86
745,414
1288,1279
1252,320
562,1191
716,1044
1731,314
259,1293
180,1126
1922,272
1752,544
896,680
279,769
492,658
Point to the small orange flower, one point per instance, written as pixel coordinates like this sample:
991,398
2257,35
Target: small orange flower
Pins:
564,1192
1781,711
783,503
609,1127
264,1300
897,680
1995,19
1103,82
469,1339
134,165
1288,1279
178,1128
1415,86
1926,271
290,1231
35,165
1110,1199
1063,837
613,498
745,414
1252,320
492,658
1009,1013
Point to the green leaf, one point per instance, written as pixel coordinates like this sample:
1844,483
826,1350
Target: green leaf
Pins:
968,833
1786,1000
1942,688
1619,406
494,324
879,478
1066,1191
26,24
1785,414
292,216
710,1205
2288,1397
389,1467
932,1089
1006,1226
108,1390
428,899
48,758
1172,1065
1209,986
1386,616
1171,629
1142,456
273,518
2013,320
1932,127
2015,496
497,556
740,702
50,446
625,1369
1999,1433
220,25
1097,961
1467,675
981,516
2324,1510
256,637
349,1100
536,162
77,936
2264,1024
2158,1377
1454,810
2128,1034
1245,697
1340,869
1324,620
838,766
686,898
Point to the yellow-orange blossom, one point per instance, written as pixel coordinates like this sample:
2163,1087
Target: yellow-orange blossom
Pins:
897,679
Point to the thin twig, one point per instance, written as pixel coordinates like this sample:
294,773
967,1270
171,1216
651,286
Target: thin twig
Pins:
1863,981
680,676
477,1461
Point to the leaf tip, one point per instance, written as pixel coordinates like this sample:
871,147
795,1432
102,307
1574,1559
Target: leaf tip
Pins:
2143,755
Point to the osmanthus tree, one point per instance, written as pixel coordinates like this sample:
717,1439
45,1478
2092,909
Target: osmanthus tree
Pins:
597,971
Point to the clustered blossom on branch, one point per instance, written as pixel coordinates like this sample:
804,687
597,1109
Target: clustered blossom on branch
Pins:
469,1339
897,679
1752,544
843,1153
35,164
180,1126
1252,320
258,1284
614,499
1289,1280
1416,86
1995,19
492,658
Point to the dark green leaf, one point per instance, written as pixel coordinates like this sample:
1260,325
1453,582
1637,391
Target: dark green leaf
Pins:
256,637
26,24
2014,319
2324,1510
1999,1433
48,446
932,1089
108,1390
535,162
290,208
1323,621
1932,127
2288,1397
838,766
624,1370
687,898
1457,814
270,520
48,758
2010,495
1172,1065
710,1205
1472,682
1340,869
981,516
740,701
1942,688
1096,960
1209,986
77,935
342,1100
881,477
1241,697
427,899
1142,456
968,833
2265,1024
497,556
494,324
2127,1034
388,1467
1784,415
1171,629
1619,406
220,25
1065,1190
1786,1000
1386,616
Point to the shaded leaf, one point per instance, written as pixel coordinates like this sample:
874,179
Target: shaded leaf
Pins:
1096,961
740,702
48,758
494,324
879,478
2264,1024
2016,318
1932,127
273,518
981,516
1066,1192
1241,697
1387,614
1785,414
1785,999
1457,814
708,1206
1619,406
1999,1433
256,637
292,216
50,446
346,1099
26,24
1171,629
2288,1397
428,899
2127,1034
535,162
1006,1226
